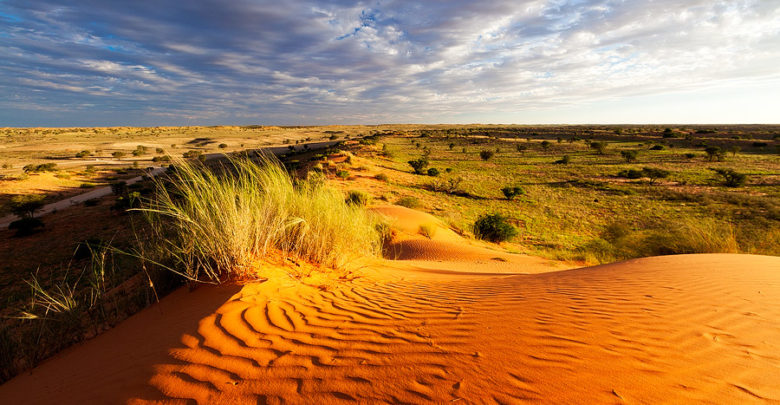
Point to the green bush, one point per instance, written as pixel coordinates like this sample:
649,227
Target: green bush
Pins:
223,146
45,167
83,154
657,147
629,155
433,172
381,177
599,147
409,202
344,174
419,165
512,192
486,154
630,174
563,161
654,174
494,228
731,178
714,153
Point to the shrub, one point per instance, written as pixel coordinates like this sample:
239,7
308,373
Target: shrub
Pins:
419,165
714,153
654,174
357,197
83,154
494,228
731,178
486,154
563,161
381,177
657,147
599,147
433,172
26,226
118,155
689,155
451,146
629,155
164,158
512,192
343,174
223,146
192,154
45,167
160,150
545,145
207,226
521,148
409,202
87,185
119,188
630,174
734,150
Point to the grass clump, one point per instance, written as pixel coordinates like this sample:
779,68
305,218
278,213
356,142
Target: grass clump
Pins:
210,225
358,197
427,230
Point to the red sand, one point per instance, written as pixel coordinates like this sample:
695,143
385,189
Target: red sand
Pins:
672,329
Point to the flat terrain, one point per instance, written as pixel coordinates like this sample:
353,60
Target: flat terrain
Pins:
692,328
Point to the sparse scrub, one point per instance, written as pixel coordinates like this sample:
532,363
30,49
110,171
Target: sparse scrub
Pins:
209,226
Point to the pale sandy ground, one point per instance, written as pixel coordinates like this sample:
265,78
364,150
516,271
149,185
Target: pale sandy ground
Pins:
672,329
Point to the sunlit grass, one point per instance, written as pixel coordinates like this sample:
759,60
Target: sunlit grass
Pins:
210,225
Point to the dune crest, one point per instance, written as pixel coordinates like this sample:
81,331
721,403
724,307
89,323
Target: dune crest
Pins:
692,328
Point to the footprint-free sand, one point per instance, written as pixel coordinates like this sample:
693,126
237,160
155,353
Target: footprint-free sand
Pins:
438,328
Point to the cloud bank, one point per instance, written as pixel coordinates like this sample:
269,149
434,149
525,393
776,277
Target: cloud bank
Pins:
144,62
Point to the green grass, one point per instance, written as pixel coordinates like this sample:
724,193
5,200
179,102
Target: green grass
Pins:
211,225
566,208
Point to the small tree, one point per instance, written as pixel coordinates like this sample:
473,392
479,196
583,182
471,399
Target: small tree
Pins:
731,178
545,145
24,206
521,148
451,146
563,161
714,153
734,150
223,145
486,154
419,165
511,192
654,174
118,155
629,155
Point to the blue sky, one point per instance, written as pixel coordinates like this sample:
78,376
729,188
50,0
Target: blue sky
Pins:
171,62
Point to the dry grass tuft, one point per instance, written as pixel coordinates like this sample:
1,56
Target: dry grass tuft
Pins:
210,225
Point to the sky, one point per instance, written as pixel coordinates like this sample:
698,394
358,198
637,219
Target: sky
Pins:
295,62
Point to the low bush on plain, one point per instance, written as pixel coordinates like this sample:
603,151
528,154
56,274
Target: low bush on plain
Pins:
494,228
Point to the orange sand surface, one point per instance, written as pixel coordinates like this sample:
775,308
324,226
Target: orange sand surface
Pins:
671,329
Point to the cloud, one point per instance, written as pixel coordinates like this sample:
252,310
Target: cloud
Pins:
166,61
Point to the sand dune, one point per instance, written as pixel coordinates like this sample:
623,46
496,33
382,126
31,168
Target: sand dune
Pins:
672,329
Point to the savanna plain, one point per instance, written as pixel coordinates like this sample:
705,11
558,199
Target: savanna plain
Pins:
390,264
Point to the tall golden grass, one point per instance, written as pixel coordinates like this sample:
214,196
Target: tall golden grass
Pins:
212,224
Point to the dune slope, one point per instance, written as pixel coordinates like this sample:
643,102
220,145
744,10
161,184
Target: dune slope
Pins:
693,328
